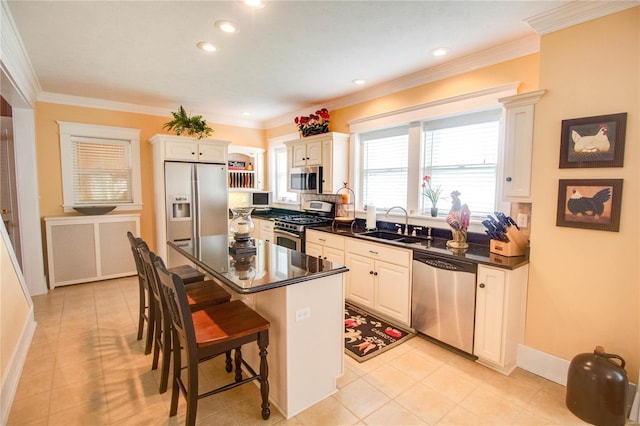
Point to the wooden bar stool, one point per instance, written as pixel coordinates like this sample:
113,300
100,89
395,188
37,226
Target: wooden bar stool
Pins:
200,295
206,334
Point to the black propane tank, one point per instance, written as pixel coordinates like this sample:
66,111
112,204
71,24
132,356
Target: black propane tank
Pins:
597,388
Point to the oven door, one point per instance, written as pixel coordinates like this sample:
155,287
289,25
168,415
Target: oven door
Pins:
288,239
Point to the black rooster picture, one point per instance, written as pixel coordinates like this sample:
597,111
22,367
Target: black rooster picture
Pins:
588,206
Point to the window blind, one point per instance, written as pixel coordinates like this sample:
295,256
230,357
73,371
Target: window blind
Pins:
461,153
384,160
282,194
102,171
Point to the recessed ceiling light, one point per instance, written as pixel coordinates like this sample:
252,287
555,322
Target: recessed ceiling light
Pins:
246,114
257,4
226,26
206,46
440,51
359,81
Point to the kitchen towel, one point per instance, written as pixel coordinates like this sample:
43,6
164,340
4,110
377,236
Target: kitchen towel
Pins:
371,216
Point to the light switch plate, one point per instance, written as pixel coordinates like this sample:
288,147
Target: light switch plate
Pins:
303,314
522,220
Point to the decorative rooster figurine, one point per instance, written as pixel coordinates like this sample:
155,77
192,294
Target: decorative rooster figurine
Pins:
458,220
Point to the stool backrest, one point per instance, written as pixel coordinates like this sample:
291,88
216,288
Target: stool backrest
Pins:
135,243
148,259
175,298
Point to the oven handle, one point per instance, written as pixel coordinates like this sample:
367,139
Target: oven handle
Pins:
290,234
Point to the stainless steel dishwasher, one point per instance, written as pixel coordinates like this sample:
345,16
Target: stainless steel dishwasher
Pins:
443,299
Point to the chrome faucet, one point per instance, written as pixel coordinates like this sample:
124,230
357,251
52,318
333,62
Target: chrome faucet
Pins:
406,218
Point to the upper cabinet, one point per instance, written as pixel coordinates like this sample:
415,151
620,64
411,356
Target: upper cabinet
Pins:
306,153
183,148
329,150
518,145
246,168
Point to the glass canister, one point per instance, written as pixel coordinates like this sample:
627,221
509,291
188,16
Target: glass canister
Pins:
241,226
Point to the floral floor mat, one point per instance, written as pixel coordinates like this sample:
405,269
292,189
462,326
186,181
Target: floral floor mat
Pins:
366,336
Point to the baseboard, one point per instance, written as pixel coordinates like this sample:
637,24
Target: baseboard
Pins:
543,364
14,368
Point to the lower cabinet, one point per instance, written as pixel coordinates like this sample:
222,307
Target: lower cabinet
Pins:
89,248
379,278
501,297
263,230
324,245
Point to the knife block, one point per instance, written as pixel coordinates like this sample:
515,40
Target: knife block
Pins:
517,245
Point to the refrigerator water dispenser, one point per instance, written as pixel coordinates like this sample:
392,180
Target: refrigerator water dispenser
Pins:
181,207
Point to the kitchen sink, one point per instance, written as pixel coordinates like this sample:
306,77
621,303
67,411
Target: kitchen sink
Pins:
393,237
382,235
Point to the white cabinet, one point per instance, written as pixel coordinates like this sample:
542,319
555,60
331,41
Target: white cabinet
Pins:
501,297
246,168
329,150
307,153
324,245
518,145
183,148
263,229
379,278
89,248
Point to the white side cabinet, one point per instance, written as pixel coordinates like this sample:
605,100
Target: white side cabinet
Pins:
379,278
183,148
501,298
263,229
89,248
325,246
518,145
329,150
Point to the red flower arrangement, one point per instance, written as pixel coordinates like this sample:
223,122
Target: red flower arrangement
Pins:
313,124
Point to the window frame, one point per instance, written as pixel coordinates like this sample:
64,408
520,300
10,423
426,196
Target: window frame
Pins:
69,131
414,116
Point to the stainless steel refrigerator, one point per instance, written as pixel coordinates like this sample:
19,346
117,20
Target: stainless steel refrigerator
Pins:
196,203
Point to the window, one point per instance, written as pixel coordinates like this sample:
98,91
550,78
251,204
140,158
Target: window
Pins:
100,165
281,171
461,153
384,164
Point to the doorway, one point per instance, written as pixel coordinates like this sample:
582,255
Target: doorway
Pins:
8,187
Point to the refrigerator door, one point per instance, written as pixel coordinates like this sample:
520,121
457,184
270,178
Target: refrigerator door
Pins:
212,212
179,200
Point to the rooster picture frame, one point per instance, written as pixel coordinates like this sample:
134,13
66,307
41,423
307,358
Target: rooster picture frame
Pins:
593,141
590,203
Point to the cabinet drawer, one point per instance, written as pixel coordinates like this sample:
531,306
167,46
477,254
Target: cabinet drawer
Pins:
394,255
325,239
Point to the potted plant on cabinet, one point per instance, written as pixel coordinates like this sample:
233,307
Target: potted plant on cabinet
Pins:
191,125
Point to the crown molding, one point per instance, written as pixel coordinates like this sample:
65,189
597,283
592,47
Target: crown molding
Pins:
80,101
576,12
494,55
16,66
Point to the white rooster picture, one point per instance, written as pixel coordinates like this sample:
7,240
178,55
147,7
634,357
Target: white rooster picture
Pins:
591,143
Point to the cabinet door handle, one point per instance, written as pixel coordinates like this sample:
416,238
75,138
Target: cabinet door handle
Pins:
508,179
373,252
481,285
375,273
370,272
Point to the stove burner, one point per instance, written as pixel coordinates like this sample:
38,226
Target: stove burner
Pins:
299,222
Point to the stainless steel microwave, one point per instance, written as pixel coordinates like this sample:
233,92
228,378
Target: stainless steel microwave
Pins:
305,180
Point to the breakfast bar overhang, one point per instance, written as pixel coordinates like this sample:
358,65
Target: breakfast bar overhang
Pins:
303,299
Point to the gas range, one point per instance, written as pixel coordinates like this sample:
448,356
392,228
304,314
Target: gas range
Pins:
298,223
316,213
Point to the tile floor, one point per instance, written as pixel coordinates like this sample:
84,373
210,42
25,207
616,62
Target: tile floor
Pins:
85,367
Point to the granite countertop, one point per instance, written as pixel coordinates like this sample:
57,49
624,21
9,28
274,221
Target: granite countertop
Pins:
478,251
271,266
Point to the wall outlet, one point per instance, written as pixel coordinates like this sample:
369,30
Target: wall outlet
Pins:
522,220
303,314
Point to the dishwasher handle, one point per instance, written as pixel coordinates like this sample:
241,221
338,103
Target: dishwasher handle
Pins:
450,265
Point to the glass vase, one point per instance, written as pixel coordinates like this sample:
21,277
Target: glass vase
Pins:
241,226
434,212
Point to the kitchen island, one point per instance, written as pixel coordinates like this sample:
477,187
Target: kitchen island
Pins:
303,299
